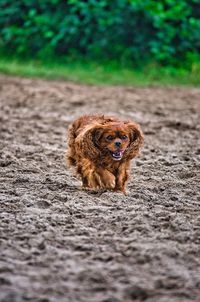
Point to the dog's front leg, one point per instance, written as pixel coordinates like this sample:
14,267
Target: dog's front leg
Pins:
122,177
86,169
95,177
107,179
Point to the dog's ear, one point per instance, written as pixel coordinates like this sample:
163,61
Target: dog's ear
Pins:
88,141
96,135
136,139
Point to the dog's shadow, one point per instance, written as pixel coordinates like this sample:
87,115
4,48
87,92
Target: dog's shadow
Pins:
93,192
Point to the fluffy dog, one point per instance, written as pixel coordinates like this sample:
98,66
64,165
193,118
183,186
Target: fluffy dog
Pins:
101,148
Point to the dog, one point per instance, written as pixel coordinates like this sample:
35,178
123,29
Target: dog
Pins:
100,148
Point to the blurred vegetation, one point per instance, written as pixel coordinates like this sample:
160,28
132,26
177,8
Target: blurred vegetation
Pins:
134,33
110,73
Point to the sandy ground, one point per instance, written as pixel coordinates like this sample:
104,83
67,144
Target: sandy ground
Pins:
59,243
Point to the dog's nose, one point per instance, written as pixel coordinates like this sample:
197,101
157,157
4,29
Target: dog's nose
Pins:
118,144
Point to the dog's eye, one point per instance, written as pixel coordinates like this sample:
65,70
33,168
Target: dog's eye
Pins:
124,137
109,137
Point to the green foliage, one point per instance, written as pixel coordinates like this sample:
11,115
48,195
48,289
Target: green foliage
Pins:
109,73
166,31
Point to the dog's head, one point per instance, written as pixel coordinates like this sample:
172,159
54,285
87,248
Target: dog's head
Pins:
114,140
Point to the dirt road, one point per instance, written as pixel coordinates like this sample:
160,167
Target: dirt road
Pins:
59,243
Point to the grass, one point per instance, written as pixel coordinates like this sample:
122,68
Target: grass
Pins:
109,73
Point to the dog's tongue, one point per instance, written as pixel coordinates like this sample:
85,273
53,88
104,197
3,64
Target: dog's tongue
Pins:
117,154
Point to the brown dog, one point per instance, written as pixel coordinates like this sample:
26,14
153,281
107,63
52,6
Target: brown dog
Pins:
101,148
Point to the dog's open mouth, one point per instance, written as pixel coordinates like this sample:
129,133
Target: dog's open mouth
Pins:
117,155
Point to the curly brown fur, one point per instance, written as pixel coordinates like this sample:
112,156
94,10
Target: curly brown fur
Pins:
101,148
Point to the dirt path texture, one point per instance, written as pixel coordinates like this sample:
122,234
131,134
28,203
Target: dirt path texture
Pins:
59,243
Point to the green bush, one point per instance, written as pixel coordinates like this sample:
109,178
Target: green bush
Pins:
165,31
